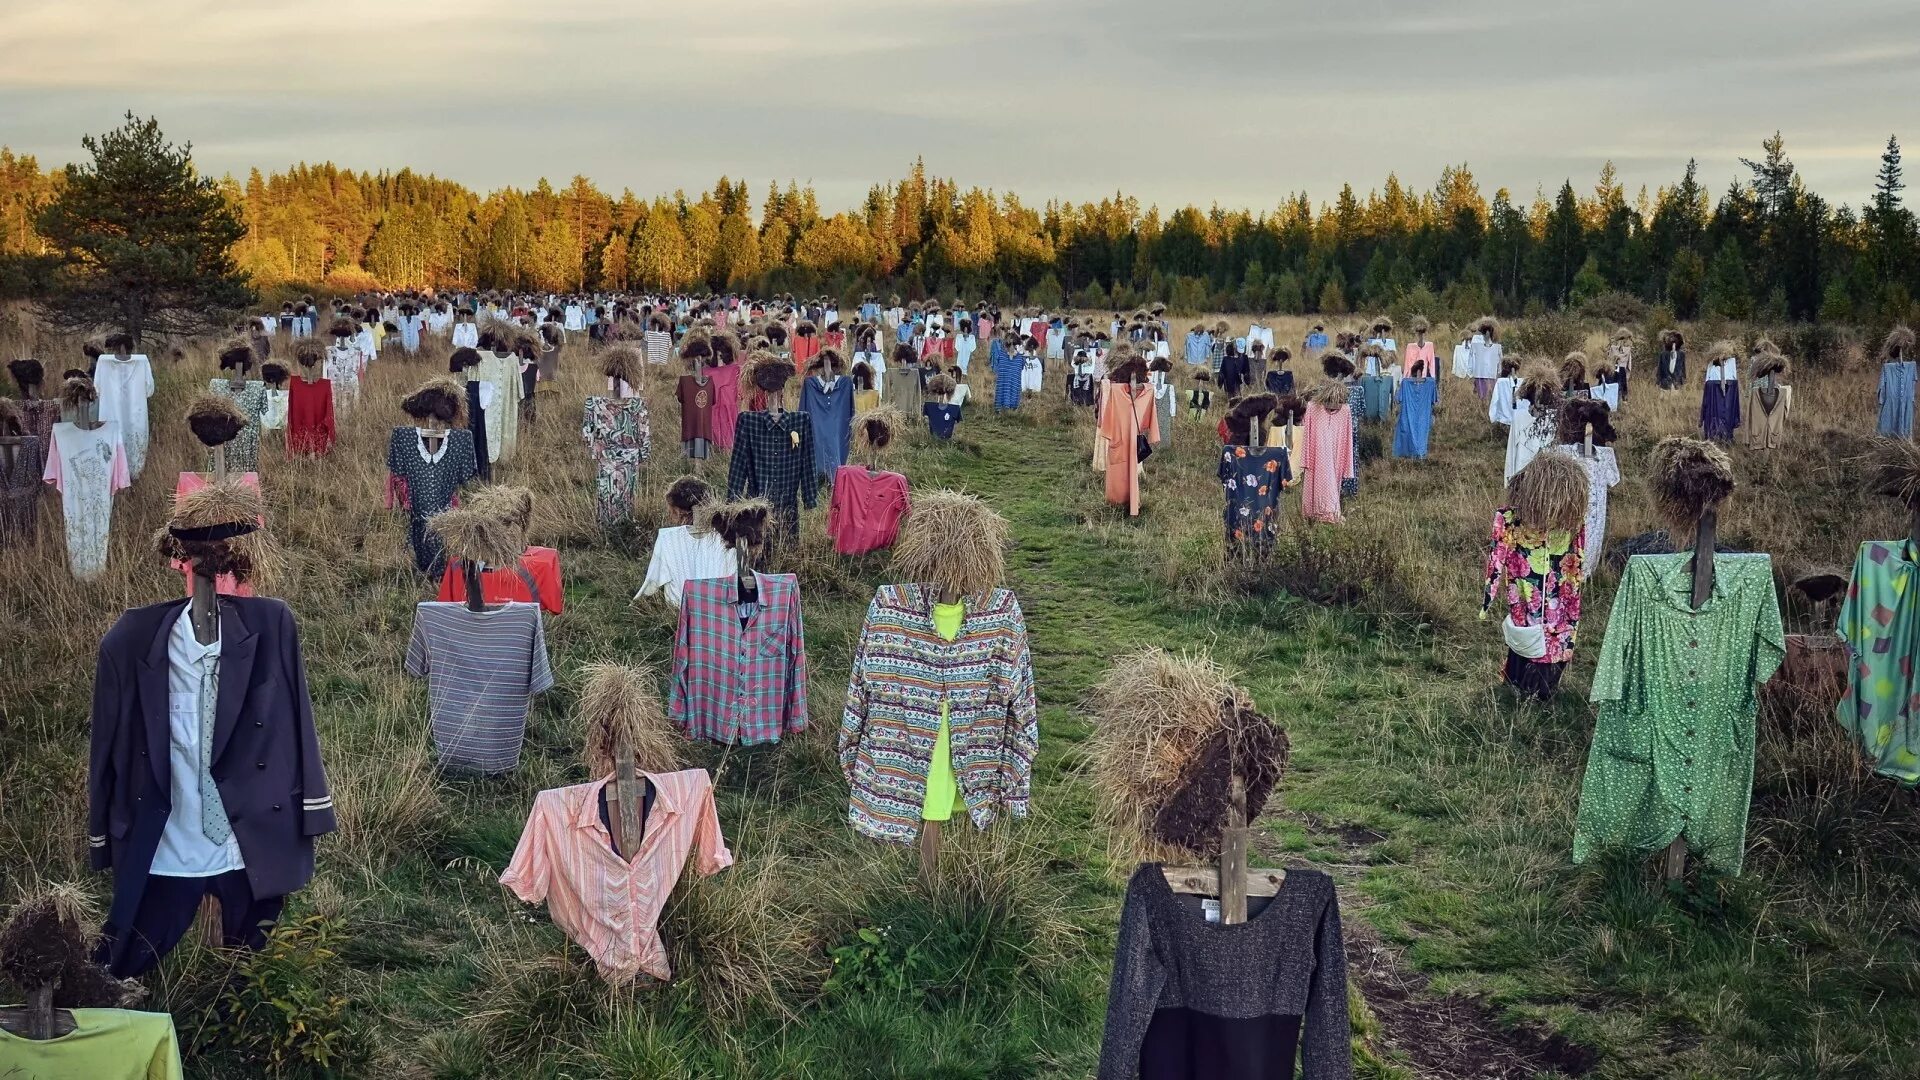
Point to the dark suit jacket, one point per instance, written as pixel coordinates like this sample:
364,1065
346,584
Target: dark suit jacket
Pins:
266,758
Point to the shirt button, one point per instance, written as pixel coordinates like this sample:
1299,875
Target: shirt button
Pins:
259,764
1690,704
259,723
1688,787
276,806
1693,644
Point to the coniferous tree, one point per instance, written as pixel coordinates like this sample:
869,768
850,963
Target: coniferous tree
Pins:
141,242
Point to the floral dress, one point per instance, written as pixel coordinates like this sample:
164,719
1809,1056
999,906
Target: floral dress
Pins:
1543,573
243,453
1252,477
619,438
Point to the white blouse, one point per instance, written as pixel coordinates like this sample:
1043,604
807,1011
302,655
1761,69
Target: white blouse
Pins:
679,557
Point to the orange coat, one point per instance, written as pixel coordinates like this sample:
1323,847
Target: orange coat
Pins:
1129,414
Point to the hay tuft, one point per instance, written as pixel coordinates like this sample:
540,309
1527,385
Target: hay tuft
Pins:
621,704
877,429
253,557
623,362
1899,340
1169,732
78,391
45,941
1894,465
1577,414
1550,494
490,527
953,543
439,399
1688,478
215,420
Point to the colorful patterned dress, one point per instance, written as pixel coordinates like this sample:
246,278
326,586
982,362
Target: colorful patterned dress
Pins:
1543,574
619,438
1252,478
1880,622
243,453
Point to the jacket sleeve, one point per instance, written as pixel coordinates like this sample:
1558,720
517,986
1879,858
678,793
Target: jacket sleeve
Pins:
316,801
1135,990
1326,1043
809,476
853,719
1022,739
110,706
796,703
740,470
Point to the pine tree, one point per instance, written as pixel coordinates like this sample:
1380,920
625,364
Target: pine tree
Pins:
143,242
1728,293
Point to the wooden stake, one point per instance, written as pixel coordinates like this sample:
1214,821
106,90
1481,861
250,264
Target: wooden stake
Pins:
220,464
628,798
476,592
1233,858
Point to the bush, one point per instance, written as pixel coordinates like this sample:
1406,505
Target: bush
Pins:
1817,345
1548,337
1091,298
1341,567
281,1007
1617,308
1046,293
1333,300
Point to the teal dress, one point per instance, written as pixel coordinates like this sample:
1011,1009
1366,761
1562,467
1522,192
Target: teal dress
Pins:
1880,622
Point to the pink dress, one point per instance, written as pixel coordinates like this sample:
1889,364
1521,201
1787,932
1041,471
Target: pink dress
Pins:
726,403
1326,452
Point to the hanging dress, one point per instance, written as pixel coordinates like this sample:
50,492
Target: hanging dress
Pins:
1130,414
1326,454
1252,478
1896,399
22,469
124,387
726,403
433,479
87,467
1414,424
619,438
243,453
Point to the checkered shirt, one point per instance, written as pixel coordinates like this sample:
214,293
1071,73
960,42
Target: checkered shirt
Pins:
740,685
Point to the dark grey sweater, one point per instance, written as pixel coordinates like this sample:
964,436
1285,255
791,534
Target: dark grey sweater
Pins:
1193,999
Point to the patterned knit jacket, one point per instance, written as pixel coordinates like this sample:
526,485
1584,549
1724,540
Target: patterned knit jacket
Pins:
902,671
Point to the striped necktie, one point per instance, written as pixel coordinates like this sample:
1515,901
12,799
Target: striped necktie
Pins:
213,812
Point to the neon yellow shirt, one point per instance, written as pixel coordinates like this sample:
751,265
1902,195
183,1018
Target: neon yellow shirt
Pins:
943,793
107,1044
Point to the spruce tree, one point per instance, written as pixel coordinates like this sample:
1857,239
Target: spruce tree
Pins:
142,242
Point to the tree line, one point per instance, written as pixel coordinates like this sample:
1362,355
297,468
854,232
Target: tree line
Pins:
1764,248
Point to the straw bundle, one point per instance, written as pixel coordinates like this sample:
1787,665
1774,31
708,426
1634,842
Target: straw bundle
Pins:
621,705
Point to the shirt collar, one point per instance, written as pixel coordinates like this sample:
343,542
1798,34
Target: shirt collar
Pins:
1676,581
589,815
186,645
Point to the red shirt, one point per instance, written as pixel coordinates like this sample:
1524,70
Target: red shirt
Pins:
500,584
309,416
866,509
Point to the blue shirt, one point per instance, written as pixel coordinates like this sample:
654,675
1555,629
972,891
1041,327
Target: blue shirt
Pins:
941,418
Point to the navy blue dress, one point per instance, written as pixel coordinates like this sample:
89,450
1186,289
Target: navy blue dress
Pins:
831,412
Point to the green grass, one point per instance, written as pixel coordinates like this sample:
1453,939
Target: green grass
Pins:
1442,806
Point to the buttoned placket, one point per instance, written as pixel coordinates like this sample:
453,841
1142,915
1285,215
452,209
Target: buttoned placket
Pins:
1693,704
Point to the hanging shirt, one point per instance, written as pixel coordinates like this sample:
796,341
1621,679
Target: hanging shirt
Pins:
1880,622
828,403
482,670
734,683
87,468
536,580
866,509
1603,472
310,416
680,556
941,419
608,905
185,850
1672,749
1192,1000
774,458
1007,369
124,387
905,673
105,1044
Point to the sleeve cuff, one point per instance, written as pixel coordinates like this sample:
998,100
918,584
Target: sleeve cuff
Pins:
317,816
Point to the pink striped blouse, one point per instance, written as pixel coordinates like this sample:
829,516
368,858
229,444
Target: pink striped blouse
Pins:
610,907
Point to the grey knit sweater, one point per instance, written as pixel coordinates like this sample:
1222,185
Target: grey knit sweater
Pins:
1193,999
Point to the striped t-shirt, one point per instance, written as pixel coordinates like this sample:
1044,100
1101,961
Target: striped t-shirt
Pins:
482,670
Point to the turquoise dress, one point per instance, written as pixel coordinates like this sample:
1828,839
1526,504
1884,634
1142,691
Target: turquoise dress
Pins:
1415,423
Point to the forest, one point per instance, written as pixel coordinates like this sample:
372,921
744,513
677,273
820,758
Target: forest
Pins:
1765,248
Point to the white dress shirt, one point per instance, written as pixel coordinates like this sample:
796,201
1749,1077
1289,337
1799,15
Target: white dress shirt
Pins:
184,849
680,557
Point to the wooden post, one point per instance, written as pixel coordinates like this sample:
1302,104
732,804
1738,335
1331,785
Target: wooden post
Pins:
1587,446
40,1012
1233,858
476,591
628,799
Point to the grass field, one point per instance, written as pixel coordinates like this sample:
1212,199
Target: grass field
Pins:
1442,805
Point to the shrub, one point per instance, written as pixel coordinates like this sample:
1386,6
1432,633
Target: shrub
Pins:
1548,337
1091,298
281,1006
1616,308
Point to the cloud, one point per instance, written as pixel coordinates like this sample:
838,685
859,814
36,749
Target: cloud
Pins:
1231,101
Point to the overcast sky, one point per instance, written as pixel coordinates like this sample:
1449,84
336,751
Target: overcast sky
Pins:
1230,101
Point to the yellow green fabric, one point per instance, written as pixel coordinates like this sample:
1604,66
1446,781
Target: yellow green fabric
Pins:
943,799
106,1044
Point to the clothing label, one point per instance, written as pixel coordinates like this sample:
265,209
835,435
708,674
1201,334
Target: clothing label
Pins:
1211,909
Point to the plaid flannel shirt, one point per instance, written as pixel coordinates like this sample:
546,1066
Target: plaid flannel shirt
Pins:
774,458
734,684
